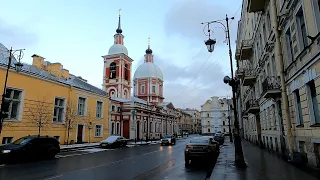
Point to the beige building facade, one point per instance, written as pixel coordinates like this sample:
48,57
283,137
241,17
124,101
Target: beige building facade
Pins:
196,119
258,58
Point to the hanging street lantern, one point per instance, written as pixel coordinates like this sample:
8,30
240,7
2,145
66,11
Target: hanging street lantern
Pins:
210,44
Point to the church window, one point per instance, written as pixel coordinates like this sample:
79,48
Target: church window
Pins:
126,72
153,89
113,70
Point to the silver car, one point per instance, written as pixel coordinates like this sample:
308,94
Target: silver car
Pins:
203,148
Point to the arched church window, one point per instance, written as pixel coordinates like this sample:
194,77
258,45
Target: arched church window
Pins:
113,70
112,93
126,72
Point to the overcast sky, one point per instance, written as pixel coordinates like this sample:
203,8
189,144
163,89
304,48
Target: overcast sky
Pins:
77,33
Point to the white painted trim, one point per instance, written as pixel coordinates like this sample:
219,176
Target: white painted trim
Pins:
85,105
102,109
64,109
95,127
20,111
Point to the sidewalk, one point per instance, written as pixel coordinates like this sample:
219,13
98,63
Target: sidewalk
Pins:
262,165
75,146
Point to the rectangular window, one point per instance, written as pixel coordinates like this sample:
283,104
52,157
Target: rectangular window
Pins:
316,5
274,66
12,103
150,127
112,128
59,104
99,109
118,128
6,140
153,89
142,89
313,102
81,106
268,69
264,33
98,131
302,28
298,109
119,109
112,108
289,46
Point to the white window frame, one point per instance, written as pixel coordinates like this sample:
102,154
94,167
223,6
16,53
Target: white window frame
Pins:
101,109
153,89
118,129
85,106
310,106
63,107
101,130
113,129
6,140
297,24
143,89
296,109
20,108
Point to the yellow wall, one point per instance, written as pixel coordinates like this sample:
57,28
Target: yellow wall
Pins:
38,93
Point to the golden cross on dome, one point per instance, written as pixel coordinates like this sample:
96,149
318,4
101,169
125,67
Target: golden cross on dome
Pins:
120,11
149,42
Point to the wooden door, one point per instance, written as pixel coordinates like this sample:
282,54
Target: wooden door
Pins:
80,132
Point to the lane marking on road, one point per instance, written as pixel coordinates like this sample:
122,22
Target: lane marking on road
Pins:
101,165
69,155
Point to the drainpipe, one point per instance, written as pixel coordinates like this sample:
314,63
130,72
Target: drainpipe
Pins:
279,59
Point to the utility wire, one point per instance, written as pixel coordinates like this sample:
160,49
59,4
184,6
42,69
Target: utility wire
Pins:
188,63
198,72
200,85
214,64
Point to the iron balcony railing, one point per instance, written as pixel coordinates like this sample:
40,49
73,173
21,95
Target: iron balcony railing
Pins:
252,103
250,72
271,83
247,42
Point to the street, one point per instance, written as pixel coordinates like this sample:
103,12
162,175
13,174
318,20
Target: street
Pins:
141,162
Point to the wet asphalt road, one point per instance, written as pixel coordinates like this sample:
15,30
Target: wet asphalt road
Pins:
152,162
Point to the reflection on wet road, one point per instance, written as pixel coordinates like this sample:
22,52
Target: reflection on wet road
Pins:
143,162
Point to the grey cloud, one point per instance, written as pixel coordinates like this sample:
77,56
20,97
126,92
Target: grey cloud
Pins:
178,87
185,16
16,36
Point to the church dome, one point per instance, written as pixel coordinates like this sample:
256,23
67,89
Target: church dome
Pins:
118,48
147,70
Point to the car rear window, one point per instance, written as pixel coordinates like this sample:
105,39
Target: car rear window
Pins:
200,141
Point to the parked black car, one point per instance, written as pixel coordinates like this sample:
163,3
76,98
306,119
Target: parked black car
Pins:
203,148
114,142
29,148
219,137
168,140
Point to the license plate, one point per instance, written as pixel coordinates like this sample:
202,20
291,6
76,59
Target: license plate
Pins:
197,148
104,145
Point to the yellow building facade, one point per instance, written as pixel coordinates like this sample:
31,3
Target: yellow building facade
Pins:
46,99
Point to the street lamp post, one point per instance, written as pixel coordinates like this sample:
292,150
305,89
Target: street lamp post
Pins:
18,67
239,159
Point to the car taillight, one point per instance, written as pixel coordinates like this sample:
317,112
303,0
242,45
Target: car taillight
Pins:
188,147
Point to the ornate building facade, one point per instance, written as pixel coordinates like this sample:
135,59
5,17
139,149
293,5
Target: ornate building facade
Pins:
215,114
144,115
278,57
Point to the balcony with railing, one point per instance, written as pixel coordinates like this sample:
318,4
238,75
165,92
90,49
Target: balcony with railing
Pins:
271,87
245,51
239,73
256,5
252,106
249,78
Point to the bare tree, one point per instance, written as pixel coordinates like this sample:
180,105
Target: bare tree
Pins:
39,112
88,121
71,118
